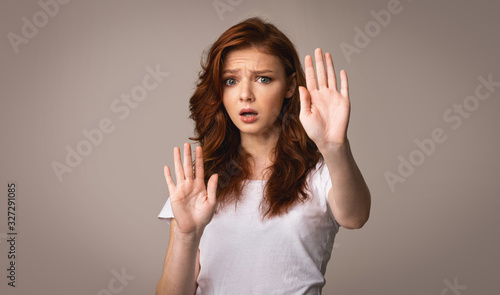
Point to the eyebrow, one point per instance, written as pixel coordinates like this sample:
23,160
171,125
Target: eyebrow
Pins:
253,72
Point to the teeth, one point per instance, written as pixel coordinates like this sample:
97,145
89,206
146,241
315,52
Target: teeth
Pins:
248,114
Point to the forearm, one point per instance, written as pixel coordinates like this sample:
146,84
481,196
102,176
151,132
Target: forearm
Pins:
349,193
179,269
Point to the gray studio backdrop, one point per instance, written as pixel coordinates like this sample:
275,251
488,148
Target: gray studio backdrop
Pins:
94,97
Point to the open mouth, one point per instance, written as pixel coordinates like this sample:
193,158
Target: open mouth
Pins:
248,115
248,112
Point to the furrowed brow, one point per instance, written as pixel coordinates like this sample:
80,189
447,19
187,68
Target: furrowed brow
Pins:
232,71
262,72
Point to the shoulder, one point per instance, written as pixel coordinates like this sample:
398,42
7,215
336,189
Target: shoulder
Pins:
320,185
318,179
319,173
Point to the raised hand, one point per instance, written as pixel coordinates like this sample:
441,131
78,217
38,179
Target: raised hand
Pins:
193,204
324,112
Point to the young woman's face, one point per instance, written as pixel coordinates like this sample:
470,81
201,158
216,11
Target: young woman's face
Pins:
254,87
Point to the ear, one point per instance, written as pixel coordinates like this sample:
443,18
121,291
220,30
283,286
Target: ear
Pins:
292,84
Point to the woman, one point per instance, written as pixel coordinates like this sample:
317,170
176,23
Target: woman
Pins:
259,213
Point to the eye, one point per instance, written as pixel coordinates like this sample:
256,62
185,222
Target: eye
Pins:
264,80
230,82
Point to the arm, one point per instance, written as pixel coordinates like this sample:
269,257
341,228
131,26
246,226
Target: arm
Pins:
349,197
324,113
183,257
193,206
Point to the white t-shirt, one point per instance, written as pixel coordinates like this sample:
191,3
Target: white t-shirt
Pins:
240,254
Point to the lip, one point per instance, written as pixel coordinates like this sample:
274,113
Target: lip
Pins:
248,119
248,110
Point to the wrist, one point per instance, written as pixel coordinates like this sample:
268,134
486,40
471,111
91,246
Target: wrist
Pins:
326,148
194,236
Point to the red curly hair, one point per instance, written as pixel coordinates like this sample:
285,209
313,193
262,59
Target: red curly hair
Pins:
295,154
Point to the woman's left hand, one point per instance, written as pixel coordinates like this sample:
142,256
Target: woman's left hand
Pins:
324,112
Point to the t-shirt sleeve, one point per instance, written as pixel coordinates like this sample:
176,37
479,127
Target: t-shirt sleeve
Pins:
323,183
166,212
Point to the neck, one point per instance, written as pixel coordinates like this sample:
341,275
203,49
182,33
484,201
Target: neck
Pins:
261,149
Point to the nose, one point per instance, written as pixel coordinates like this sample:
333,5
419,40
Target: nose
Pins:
246,92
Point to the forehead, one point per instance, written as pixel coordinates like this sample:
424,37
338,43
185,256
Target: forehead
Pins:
252,58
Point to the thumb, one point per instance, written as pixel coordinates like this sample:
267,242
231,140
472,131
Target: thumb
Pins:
305,101
212,188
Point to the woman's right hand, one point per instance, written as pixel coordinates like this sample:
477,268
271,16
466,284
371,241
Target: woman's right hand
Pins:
193,204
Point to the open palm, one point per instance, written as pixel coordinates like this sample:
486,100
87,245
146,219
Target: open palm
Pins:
193,204
324,112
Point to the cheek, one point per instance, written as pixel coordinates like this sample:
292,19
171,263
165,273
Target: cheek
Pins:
229,107
226,101
273,109
275,100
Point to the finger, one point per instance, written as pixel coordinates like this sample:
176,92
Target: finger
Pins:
305,101
179,172
200,173
310,79
168,178
188,162
320,68
344,84
330,68
212,188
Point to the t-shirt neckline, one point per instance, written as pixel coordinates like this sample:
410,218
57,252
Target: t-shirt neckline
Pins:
256,181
